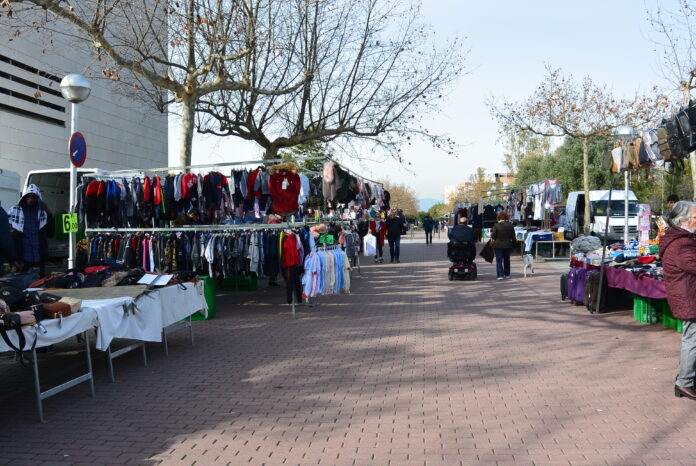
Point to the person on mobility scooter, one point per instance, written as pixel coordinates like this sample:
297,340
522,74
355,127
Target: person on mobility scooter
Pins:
461,250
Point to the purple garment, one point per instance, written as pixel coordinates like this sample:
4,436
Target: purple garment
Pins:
645,286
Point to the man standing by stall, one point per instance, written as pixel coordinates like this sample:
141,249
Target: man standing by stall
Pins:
32,225
678,252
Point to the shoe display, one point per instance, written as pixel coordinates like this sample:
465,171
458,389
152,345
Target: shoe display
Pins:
688,392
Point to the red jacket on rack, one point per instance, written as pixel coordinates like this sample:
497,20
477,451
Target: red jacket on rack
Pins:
288,251
285,188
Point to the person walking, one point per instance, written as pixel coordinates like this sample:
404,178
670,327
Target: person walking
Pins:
32,225
678,253
378,228
7,250
503,236
395,228
436,225
363,228
428,225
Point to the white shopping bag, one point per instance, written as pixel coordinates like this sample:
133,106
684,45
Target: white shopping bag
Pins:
370,245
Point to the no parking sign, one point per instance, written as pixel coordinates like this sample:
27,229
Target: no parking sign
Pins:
78,149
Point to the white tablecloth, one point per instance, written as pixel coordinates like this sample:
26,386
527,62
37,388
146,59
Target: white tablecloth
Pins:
57,330
153,311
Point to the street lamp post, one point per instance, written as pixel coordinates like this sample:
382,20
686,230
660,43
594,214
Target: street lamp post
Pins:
75,89
625,133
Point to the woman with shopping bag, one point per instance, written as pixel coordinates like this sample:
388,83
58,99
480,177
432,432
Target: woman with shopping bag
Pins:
378,228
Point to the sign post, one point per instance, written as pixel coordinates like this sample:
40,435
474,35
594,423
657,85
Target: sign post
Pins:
75,88
77,148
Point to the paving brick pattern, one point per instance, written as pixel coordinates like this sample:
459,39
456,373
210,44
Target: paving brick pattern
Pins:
409,369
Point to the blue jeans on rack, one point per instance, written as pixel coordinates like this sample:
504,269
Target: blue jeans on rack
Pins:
502,262
394,247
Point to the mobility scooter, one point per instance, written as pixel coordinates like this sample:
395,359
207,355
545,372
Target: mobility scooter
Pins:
462,257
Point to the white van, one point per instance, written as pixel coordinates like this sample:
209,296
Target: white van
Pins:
575,210
55,188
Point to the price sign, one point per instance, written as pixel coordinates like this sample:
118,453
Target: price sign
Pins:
69,223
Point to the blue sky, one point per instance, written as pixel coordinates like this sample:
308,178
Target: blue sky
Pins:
510,43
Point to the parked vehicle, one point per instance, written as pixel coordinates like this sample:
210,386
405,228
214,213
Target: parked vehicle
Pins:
55,190
575,210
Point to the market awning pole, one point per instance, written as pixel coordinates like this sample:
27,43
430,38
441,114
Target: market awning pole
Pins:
604,245
625,206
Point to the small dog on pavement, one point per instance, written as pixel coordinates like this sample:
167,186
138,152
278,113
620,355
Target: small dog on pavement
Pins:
528,261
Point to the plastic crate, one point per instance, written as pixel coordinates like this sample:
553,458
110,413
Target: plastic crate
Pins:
668,319
247,282
209,293
646,310
230,283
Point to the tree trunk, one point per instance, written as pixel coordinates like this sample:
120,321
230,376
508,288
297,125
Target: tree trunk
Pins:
586,183
188,114
271,153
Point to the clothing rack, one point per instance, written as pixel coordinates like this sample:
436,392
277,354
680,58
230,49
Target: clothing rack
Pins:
358,176
121,173
197,228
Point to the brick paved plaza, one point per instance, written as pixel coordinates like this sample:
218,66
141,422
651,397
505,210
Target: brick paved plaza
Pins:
409,369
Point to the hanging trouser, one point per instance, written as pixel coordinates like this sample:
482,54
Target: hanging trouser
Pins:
293,283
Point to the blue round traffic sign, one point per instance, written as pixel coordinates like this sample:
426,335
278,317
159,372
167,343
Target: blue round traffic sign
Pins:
78,149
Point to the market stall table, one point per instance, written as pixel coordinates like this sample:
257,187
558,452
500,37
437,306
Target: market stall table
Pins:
57,330
645,286
565,247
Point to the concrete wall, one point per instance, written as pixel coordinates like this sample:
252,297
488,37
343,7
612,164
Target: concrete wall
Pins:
122,132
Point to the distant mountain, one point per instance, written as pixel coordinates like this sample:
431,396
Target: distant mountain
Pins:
425,204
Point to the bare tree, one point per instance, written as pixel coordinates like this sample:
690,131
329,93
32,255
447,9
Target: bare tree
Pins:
584,111
675,30
402,197
377,72
175,51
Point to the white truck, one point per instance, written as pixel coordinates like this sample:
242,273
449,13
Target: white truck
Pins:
575,210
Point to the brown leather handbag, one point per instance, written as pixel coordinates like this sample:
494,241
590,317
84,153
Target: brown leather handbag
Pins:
56,310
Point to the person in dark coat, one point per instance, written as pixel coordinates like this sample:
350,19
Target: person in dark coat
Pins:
32,225
461,233
428,225
7,250
504,239
678,253
395,227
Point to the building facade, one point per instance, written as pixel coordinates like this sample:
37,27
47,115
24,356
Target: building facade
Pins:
121,132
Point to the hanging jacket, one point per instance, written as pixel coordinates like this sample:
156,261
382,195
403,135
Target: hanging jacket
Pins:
329,182
285,188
